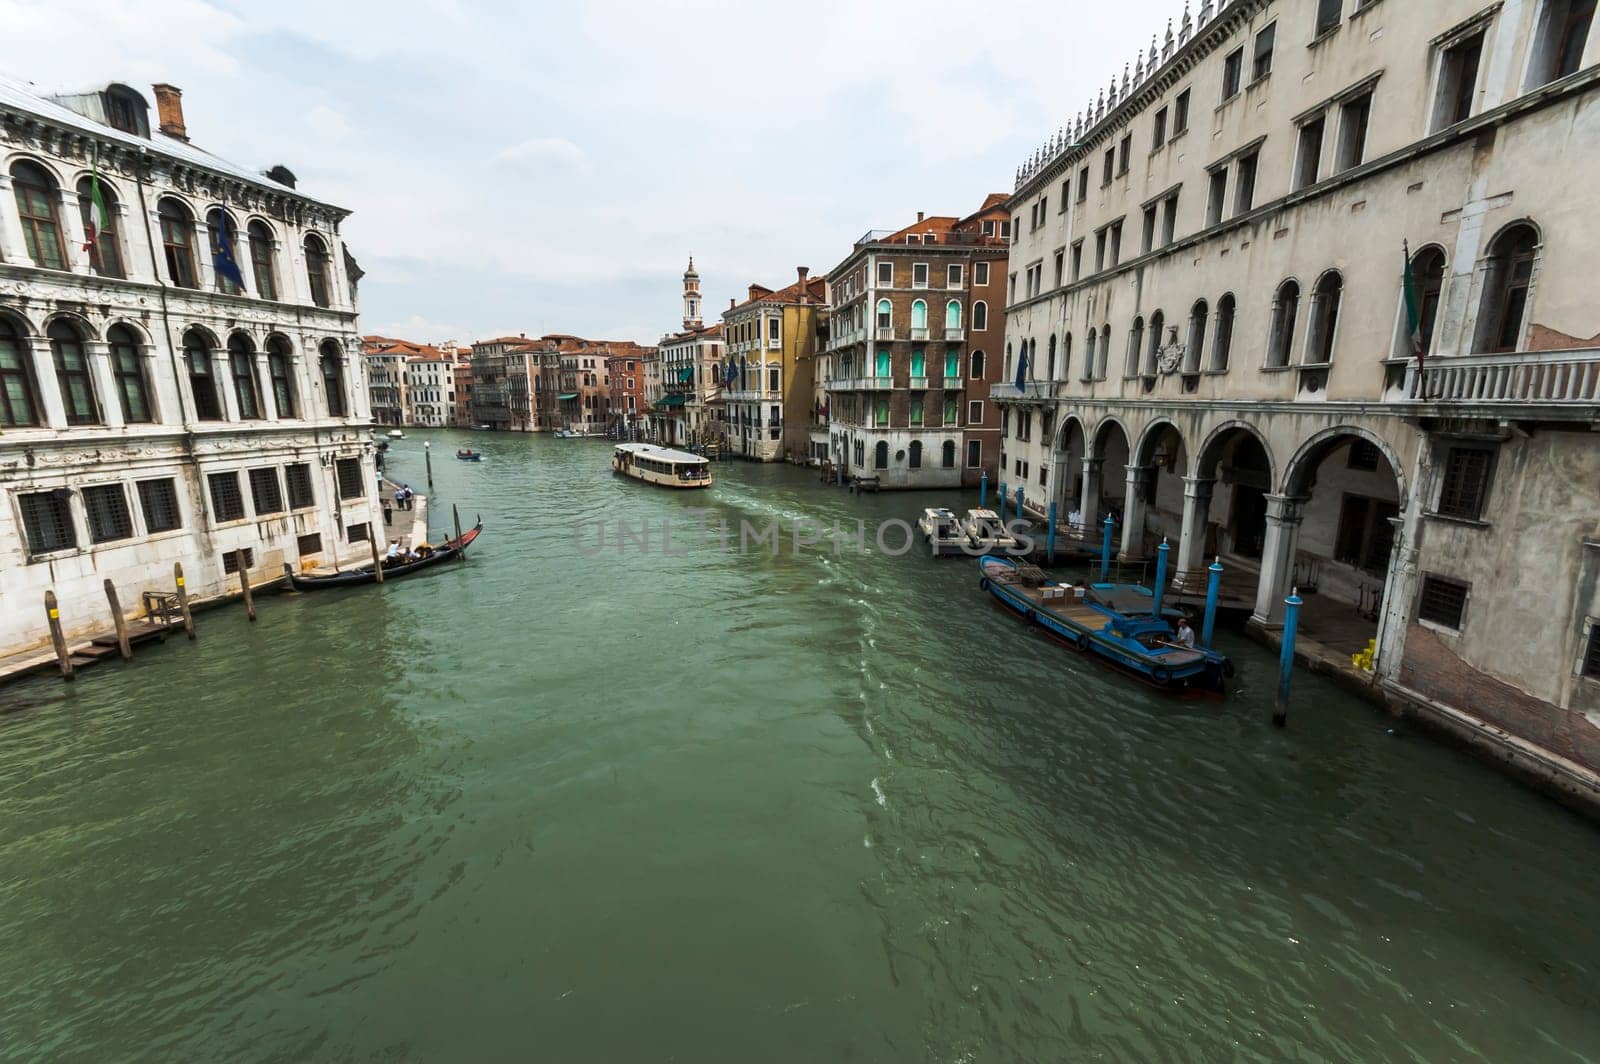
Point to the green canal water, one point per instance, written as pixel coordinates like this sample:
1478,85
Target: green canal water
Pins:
703,807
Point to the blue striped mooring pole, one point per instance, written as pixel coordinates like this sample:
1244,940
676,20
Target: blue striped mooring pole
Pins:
1213,589
1161,575
1291,623
1105,548
983,491
1050,538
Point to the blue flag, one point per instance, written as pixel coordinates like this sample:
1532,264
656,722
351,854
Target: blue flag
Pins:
222,259
1022,370
733,374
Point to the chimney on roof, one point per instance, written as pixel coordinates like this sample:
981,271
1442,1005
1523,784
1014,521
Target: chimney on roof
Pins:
801,271
919,217
732,302
169,110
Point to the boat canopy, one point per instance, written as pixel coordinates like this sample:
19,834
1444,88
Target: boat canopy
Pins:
660,454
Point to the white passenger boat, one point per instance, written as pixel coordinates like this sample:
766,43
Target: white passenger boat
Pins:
396,434
661,466
987,534
942,531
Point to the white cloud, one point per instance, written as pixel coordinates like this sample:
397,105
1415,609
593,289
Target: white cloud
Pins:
545,154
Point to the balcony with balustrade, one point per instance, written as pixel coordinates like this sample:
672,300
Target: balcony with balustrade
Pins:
1559,384
1031,391
954,336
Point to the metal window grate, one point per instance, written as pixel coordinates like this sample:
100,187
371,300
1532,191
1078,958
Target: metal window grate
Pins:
47,520
299,479
1443,601
310,543
230,560
226,502
159,501
265,491
1466,482
1364,456
1591,656
350,486
109,516
356,533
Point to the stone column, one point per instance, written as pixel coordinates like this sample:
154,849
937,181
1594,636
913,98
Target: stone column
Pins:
52,411
1196,511
11,242
1277,558
72,234
222,377
1140,488
98,354
204,276
261,370
1089,502
166,404
1400,587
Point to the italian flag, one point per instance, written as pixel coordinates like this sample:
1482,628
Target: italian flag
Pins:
100,219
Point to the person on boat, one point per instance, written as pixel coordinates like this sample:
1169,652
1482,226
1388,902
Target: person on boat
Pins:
393,553
1185,634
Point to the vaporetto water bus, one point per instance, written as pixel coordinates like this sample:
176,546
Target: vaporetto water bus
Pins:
661,466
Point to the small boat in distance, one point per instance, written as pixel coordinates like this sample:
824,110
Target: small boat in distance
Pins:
356,577
469,455
661,466
396,434
942,531
1089,620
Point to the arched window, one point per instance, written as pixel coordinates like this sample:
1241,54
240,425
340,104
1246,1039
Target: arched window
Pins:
1285,309
280,367
885,314
947,457
1005,370
1427,273
242,365
1199,318
881,368
72,375
980,316
951,409
19,404
1324,317
1507,283
317,270
880,455
100,227
916,454
919,366
1102,352
127,367
1158,322
1050,354
218,224
263,266
202,384
1135,349
1091,342
177,242
36,196
1223,345
919,315
1066,355
331,363
952,316
880,413
976,372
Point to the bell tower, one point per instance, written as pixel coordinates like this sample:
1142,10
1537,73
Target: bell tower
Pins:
691,297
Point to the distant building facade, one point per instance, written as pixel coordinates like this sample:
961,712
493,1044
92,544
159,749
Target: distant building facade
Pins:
770,351
690,368
915,330
152,410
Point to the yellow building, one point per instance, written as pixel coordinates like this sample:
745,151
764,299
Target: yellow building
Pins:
768,394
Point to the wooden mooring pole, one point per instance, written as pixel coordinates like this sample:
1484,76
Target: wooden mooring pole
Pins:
455,513
377,562
63,655
116,617
183,599
244,583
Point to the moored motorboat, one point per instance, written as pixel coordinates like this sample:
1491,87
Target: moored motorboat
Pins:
1087,619
446,551
942,531
986,534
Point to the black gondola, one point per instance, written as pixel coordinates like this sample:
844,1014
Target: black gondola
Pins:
356,577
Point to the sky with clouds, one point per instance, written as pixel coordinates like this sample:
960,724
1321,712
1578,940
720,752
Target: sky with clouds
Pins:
550,167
